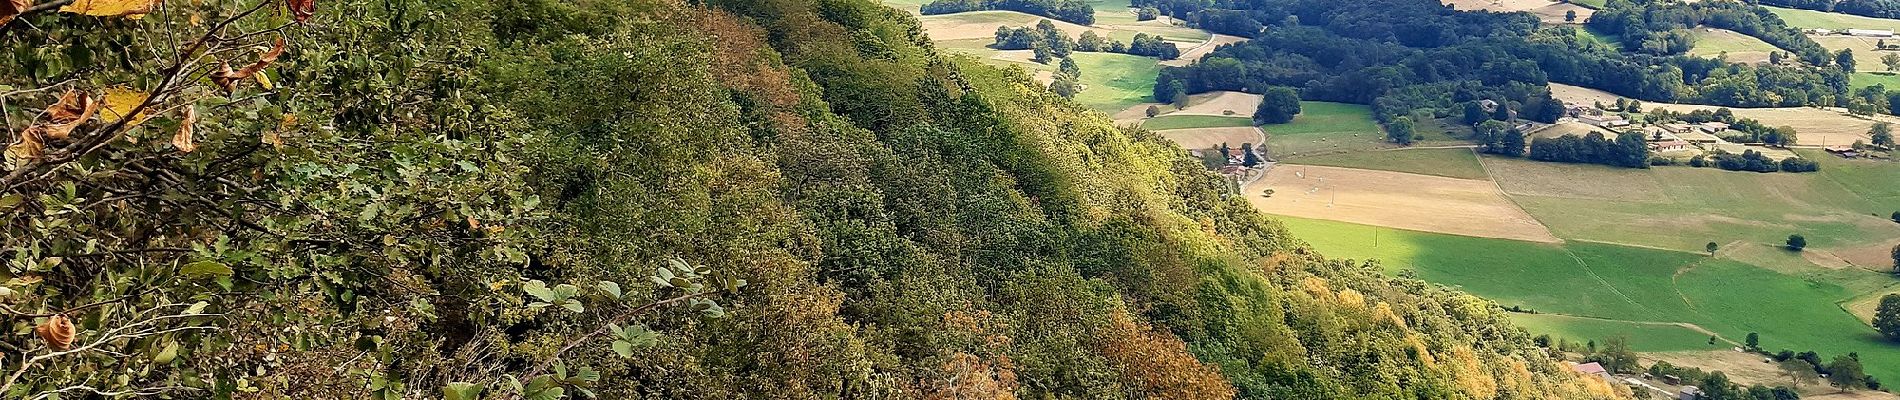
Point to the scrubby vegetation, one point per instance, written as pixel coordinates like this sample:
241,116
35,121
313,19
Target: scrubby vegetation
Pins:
638,199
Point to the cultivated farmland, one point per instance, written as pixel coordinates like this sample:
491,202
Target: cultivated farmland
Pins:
1208,138
1817,126
1737,47
1394,199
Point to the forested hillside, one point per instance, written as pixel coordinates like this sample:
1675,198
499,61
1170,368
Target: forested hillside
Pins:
644,199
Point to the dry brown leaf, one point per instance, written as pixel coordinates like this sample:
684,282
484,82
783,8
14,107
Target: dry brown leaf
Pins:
29,147
183,139
12,8
301,10
133,9
73,108
57,331
228,79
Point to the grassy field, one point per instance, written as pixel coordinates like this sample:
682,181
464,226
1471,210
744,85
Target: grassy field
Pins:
1864,79
1453,163
1870,179
1166,122
1323,126
1806,19
1112,81
1656,337
1622,283
1596,4
1738,47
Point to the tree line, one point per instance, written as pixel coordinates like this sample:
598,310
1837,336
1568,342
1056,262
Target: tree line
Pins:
1050,43
1869,8
1074,11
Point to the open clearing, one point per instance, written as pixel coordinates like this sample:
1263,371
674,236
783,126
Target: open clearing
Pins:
1750,369
1550,12
1212,138
1711,42
1393,199
1447,162
1110,81
1816,126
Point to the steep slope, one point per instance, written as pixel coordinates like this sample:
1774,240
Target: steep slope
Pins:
466,174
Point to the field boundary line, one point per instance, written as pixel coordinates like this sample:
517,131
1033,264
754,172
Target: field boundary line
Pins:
1488,177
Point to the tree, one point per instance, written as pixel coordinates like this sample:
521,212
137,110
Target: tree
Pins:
1711,247
1752,342
1616,356
1774,58
1798,371
1570,16
1068,67
1474,113
1247,156
1797,242
1277,106
1896,258
1400,131
1845,60
1891,60
1887,316
1153,111
1090,42
1882,132
1503,112
1845,373
1065,85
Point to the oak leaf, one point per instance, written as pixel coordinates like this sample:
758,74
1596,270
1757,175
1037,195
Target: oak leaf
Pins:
132,9
228,79
183,139
57,331
12,8
119,104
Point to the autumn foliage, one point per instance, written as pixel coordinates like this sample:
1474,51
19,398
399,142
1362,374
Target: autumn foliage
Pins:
1157,364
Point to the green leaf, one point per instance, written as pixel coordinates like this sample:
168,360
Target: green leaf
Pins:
9,201
566,291
552,393
623,348
461,391
538,289
583,376
206,268
610,287
197,308
167,355
573,305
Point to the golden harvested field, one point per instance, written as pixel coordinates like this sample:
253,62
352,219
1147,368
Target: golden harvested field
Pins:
1208,138
983,24
1210,103
1862,46
1194,53
1394,199
1816,126
1551,12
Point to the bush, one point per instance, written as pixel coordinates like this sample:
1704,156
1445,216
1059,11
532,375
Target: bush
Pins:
1797,242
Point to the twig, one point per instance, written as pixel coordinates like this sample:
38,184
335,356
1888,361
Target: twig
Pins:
620,319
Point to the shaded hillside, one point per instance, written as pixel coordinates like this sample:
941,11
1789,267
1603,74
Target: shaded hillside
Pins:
784,198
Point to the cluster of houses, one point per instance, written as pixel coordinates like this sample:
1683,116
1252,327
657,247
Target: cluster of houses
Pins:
1236,159
1661,137
1597,370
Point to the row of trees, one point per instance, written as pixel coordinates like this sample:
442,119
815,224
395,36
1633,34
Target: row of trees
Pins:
1074,11
1663,27
1754,161
1627,150
1050,43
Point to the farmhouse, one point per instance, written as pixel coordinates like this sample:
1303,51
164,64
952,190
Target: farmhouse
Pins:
1843,151
1881,33
1713,126
1594,369
1680,128
1488,105
1698,137
1605,121
1668,145
1819,31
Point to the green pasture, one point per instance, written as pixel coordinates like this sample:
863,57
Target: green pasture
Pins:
1874,180
1167,122
1454,162
1656,337
1682,208
1325,127
1807,19
1711,44
1635,289
1863,79
1112,81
